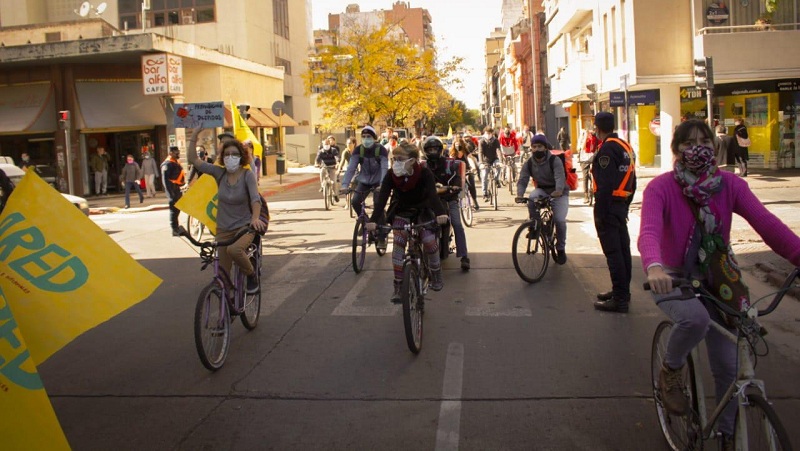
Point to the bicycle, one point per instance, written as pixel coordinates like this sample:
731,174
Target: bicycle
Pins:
691,430
362,238
534,242
465,204
589,189
493,179
416,278
349,196
195,228
222,299
510,173
329,194
447,241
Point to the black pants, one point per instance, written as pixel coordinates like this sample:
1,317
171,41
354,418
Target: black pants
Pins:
173,210
361,193
612,230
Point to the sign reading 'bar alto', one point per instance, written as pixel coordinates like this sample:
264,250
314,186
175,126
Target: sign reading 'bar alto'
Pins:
162,74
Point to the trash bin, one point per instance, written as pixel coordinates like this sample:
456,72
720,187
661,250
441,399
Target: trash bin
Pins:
280,164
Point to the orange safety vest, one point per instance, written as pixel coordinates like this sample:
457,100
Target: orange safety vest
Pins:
180,179
624,190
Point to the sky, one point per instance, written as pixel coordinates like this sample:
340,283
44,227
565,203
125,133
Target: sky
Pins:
460,27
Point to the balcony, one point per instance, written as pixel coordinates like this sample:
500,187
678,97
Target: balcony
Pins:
570,14
571,82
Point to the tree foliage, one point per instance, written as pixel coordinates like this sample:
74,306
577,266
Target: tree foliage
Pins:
375,75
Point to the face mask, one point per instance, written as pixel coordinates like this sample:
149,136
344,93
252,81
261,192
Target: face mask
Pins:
403,168
698,158
487,136
146,156
539,154
232,163
368,142
130,160
326,147
26,159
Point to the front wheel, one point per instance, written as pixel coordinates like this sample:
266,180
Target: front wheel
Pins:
680,431
359,245
212,327
252,302
529,250
465,205
195,228
326,195
412,307
495,189
764,428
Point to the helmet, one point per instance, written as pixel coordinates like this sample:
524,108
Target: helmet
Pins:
433,147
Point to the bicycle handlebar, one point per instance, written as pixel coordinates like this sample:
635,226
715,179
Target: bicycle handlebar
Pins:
182,232
407,227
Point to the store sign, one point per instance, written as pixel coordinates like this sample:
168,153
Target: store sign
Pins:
616,99
691,93
162,74
717,13
643,97
191,115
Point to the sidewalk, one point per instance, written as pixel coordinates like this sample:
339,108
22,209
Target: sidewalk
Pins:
267,186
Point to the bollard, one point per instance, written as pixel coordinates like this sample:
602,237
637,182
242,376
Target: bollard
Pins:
280,167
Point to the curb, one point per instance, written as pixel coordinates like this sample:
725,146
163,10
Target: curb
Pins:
282,188
104,210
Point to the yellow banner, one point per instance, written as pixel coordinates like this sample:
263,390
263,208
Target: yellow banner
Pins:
27,419
62,273
242,131
200,202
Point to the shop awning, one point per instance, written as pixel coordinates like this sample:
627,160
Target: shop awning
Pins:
252,121
284,121
27,109
116,105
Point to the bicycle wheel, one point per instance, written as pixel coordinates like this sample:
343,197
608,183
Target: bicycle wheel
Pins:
212,327
495,189
511,178
764,428
326,195
350,204
465,204
252,302
529,252
412,307
590,194
359,245
681,432
195,228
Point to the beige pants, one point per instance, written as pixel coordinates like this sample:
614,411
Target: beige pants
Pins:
149,183
236,252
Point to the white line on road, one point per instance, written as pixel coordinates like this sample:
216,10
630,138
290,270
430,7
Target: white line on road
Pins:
348,308
282,284
447,434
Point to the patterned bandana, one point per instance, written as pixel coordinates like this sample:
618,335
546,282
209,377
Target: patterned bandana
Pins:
698,158
699,187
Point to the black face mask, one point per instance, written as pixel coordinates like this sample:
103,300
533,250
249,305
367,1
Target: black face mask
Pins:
540,154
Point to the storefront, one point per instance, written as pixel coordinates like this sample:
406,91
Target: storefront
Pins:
641,125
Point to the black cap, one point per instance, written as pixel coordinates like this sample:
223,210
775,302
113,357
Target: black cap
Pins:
174,149
225,135
605,121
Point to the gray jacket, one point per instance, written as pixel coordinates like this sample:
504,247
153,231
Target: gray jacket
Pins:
131,172
546,178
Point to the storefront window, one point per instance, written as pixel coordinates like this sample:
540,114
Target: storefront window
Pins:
756,109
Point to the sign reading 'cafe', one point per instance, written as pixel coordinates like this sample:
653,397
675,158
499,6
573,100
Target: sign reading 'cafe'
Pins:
162,74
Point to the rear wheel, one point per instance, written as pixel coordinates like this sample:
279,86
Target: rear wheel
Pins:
529,250
495,189
465,204
212,327
252,302
764,429
359,245
412,307
682,432
326,195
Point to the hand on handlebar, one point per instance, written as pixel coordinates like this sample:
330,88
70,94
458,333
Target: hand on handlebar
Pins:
258,225
344,191
520,200
660,282
442,219
555,194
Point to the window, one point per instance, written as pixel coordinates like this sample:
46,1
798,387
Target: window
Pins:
280,17
605,39
287,65
614,35
130,6
129,21
166,12
622,29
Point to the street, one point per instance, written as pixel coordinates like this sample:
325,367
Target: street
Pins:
504,364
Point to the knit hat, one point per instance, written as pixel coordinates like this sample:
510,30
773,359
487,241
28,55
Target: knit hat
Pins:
540,139
604,121
370,131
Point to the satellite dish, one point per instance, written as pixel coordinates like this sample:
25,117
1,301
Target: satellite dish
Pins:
84,10
101,8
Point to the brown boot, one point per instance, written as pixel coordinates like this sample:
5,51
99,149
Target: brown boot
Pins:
671,390
396,295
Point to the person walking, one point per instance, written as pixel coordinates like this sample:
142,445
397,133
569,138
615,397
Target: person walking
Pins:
723,143
130,176
585,158
563,139
98,163
150,171
173,177
614,185
741,153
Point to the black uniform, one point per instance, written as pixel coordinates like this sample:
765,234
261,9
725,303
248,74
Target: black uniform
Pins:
613,195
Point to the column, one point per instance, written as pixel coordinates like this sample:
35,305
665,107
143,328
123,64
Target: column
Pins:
670,116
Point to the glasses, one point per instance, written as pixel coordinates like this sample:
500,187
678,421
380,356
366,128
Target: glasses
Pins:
232,154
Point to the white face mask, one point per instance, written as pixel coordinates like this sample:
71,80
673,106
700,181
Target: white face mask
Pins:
326,147
402,168
487,136
232,163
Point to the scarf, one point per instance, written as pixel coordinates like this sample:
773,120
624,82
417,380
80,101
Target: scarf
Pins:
407,182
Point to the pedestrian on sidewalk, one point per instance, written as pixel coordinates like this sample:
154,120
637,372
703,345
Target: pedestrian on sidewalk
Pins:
742,153
150,171
131,174
98,163
614,176
563,139
173,176
585,158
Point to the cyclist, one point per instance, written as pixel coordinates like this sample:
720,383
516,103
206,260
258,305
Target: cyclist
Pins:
413,189
344,158
238,203
460,151
549,179
327,158
669,246
373,161
489,154
448,173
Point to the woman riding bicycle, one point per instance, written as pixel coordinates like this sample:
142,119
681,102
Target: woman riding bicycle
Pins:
238,203
459,151
414,189
695,193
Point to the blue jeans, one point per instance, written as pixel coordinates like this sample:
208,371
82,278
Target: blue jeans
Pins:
128,192
485,176
458,228
560,209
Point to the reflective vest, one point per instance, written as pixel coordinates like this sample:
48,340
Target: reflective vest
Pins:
625,188
179,180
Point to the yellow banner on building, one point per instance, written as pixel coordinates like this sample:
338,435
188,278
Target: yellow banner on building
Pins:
27,419
242,131
200,202
62,273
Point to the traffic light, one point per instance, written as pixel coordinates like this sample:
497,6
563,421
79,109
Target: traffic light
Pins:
703,73
243,111
63,120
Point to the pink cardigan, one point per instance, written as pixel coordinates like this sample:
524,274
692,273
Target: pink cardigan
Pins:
667,220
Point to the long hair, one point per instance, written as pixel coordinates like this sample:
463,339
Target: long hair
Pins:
684,130
246,157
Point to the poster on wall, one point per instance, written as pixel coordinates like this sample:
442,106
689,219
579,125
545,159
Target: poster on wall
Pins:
756,111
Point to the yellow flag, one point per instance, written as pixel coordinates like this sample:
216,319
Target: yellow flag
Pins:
449,132
27,419
242,131
200,202
62,274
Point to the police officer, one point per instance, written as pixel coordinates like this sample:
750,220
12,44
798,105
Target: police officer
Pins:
614,179
173,178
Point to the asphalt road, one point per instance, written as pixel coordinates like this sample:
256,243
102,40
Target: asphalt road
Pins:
504,364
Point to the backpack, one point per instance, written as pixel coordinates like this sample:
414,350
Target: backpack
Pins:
362,151
569,171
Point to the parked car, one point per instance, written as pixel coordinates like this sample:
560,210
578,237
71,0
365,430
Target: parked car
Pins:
15,174
47,173
6,160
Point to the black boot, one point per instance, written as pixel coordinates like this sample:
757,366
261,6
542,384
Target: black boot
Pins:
605,295
612,305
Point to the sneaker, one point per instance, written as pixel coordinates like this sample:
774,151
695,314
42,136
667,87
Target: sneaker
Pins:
561,257
670,388
336,198
381,243
465,263
252,284
396,296
475,204
605,296
436,283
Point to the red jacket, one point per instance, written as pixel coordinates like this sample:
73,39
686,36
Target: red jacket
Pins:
509,141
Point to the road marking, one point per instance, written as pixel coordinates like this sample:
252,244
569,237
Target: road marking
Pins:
348,308
282,284
447,434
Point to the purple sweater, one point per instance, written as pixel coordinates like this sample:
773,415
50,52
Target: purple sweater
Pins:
667,220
